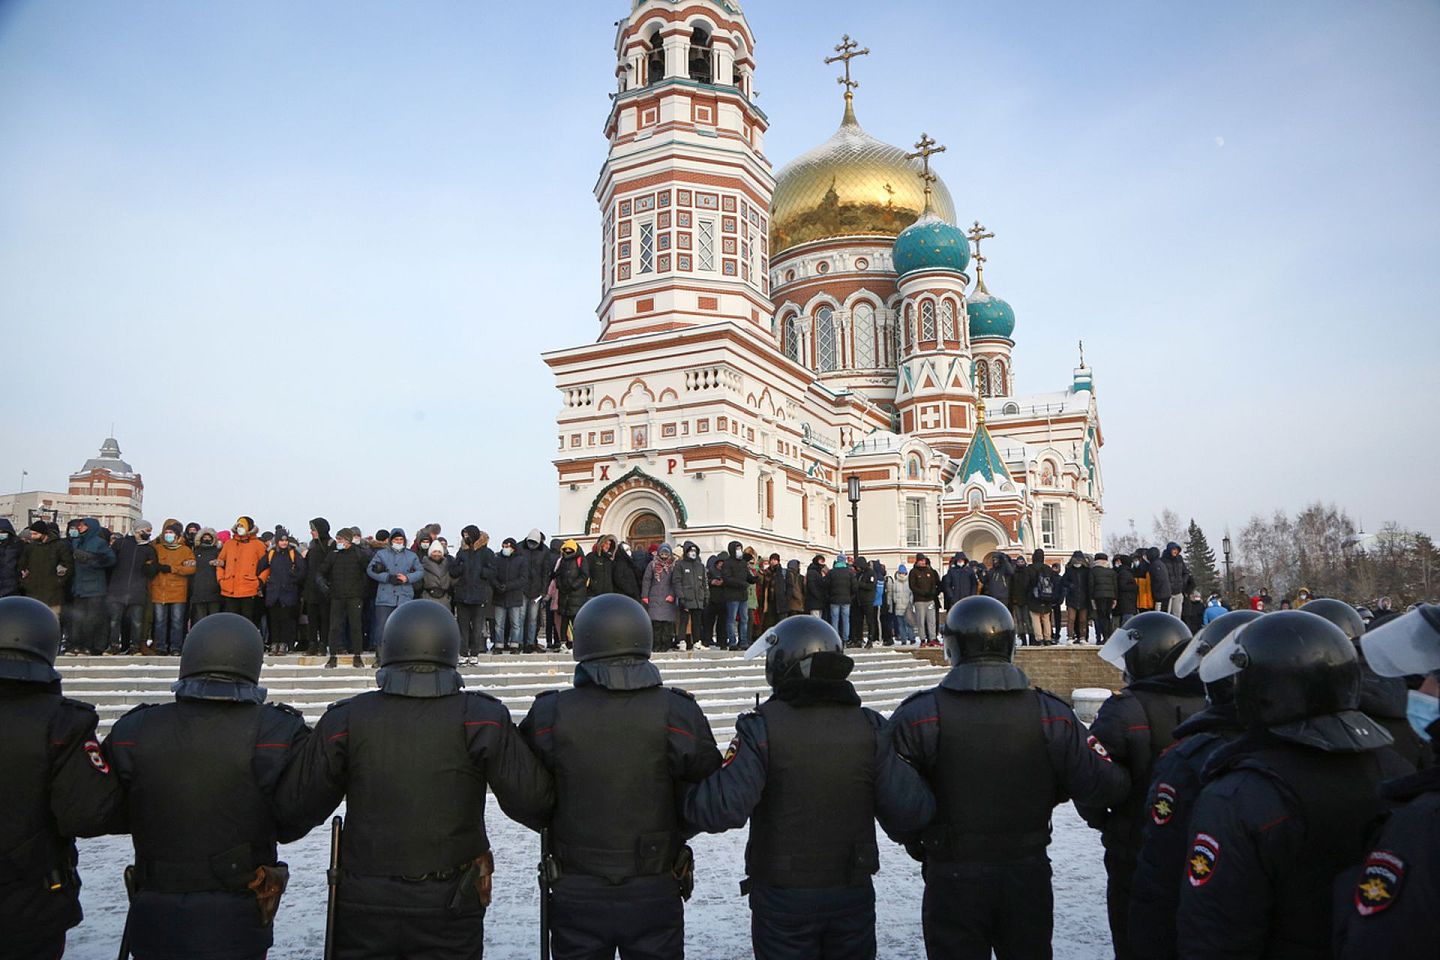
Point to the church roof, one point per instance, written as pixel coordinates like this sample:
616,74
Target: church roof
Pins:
109,459
983,459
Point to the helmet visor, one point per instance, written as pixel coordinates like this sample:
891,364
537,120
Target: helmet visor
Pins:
1190,658
1409,644
761,646
1227,659
1121,642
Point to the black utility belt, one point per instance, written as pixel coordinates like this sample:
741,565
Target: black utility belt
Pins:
435,876
230,870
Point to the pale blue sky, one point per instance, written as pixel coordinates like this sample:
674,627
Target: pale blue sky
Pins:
305,256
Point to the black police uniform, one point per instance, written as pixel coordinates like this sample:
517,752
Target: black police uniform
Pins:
58,786
1165,833
812,748
200,777
413,760
621,747
1000,756
1390,905
1135,726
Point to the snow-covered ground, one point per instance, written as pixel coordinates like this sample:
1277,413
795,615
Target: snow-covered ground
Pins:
717,918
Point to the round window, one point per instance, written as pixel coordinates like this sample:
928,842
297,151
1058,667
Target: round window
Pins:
823,266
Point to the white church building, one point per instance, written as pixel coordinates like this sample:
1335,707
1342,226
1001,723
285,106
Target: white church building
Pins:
769,340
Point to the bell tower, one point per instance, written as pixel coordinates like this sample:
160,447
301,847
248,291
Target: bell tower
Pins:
685,190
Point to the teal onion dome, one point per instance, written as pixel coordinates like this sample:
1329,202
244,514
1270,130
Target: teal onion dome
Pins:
989,315
931,244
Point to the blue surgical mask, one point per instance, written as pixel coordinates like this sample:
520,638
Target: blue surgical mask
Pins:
73,534
397,547
169,538
341,545
1422,709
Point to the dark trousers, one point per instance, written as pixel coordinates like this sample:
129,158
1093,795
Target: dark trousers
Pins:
687,625
1120,871
412,921
866,618
472,628
345,616
247,607
973,908
643,918
284,624
49,948
563,624
835,924
547,615
1021,613
662,634
316,634
1104,625
126,623
201,609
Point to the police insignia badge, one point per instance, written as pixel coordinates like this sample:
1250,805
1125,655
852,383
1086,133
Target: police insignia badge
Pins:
1379,885
97,759
1163,809
1098,747
731,751
1204,856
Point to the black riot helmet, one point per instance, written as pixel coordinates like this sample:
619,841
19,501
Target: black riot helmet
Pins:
1287,666
421,631
1209,637
1148,645
223,645
804,648
1340,613
612,625
29,640
979,628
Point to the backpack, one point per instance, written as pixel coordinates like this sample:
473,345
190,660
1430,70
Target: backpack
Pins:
1044,588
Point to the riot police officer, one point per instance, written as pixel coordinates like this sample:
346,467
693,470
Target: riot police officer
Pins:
811,747
412,760
1286,805
1135,726
1382,699
200,776
621,747
1389,905
1173,791
1000,757
57,786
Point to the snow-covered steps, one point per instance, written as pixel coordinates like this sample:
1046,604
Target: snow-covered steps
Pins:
724,684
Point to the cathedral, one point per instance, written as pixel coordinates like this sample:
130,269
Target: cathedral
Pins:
807,361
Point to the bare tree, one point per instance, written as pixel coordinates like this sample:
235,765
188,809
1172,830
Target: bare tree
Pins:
1126,542
1168,528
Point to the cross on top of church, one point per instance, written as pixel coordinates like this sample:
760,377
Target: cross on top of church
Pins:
978,233
925,148
846,51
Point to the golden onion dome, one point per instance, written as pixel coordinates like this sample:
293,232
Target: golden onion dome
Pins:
851,185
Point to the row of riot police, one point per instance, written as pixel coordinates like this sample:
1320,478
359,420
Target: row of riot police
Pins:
618,771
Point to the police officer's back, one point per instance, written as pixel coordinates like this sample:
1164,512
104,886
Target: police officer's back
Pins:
1000,756
1135,726
1389,903
57,786
811,770
1286,806
413,760
200,776
621,746
1179,777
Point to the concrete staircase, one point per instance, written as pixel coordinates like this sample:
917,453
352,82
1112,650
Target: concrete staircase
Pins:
724,684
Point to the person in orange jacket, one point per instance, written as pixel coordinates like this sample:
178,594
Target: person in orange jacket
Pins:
170,589
239,571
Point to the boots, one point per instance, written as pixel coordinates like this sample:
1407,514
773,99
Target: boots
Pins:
331,663
356,662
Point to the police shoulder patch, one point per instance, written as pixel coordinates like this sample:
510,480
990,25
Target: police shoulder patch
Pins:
1204,859
732,751
97,759
1094,744
1162,808
1379,885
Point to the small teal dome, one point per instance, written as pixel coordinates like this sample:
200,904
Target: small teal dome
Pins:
989,315
931,244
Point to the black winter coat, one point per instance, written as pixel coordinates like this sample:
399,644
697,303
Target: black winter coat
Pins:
627,581
817,589
864,584
1102,582
1127,591
473,572
287,576
130,577
10,550
570,585
204,588
958,583
511,580
599,573
737,577
344,573
38,563
997,579
1077,586
842,586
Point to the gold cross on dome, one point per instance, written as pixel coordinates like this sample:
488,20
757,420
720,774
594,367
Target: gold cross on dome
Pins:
925,148
977,233
846,51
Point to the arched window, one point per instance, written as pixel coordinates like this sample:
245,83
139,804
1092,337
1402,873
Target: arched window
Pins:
947,319
825,346
927,320
908,333
655,60
864,322
997,379
792,337
700,56
982,378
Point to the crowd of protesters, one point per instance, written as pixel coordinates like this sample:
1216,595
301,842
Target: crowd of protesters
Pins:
331,591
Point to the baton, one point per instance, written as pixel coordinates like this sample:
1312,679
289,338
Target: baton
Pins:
547,875
130,899
332,880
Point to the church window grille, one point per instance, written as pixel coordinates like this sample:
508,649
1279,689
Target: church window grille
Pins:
927,320
792,337
825,346
707,244
914,521
1050,526
947,320
982,378
864,320
647,247
997,379
909,331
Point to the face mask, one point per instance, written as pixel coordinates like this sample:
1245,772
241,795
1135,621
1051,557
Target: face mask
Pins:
468,539
206,542
73,534
424,544
397,547
341,545
735,554
1422,710
506,551
240,530
143,536
169,538
692,554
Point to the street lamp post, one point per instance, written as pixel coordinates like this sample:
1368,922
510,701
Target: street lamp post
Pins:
852,489
1229,580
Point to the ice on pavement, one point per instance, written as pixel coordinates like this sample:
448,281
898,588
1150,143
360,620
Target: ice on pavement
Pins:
717,918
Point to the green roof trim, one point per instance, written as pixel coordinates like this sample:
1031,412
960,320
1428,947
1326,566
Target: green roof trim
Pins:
983,458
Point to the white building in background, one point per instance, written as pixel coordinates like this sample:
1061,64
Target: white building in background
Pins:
764,338
106,488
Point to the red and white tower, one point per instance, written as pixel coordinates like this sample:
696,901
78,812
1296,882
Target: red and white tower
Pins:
685,191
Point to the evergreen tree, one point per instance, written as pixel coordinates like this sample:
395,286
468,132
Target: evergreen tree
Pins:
1202,561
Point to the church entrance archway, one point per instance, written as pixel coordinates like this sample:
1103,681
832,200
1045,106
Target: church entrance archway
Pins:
646,530
979,544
